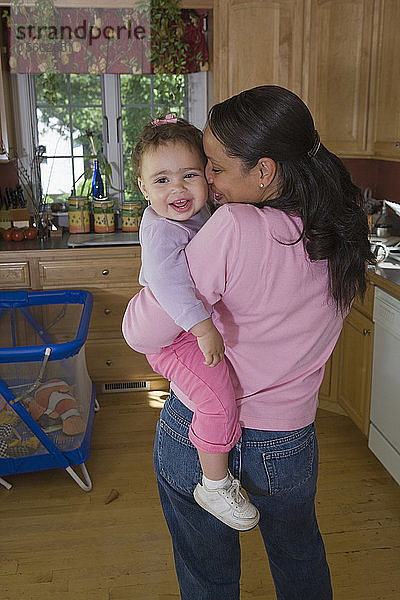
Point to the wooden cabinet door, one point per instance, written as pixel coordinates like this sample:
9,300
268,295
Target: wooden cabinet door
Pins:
386,77
355,368
337,71
257,42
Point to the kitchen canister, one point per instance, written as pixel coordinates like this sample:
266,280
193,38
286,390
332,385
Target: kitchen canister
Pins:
103,213
131,215
78,215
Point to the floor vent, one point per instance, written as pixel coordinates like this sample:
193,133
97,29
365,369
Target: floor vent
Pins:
125,386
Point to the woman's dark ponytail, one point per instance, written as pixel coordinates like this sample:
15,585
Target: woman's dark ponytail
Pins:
270,121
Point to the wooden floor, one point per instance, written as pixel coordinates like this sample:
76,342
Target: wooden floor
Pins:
58,542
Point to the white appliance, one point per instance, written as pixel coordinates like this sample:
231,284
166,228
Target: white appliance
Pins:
384,433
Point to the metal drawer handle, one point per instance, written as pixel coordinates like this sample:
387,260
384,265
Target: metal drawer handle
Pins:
107,311
366,331
108,363
105,272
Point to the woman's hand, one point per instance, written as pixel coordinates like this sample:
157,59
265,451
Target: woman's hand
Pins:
210,342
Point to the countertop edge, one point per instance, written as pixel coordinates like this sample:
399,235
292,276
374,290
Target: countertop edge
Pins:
385,284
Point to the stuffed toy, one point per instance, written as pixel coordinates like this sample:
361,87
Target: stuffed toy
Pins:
55,399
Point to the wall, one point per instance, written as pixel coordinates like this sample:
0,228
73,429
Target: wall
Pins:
8,176
382,176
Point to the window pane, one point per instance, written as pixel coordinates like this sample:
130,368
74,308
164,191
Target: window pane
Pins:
130,187
83,120
85,90
56,177
83,169
135,90
169,94
53,131
70,106
51,89
133,120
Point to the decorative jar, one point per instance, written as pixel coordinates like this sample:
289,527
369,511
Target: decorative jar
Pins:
131,215
103,212
78,215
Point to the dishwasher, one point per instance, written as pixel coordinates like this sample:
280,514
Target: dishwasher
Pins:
384,433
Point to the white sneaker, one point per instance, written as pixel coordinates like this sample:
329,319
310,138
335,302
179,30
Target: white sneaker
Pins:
228,505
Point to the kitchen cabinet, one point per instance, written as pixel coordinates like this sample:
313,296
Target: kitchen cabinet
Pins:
111,275
385,128
340,56
257,42
337,71
355,367
346,387
327,396
320,49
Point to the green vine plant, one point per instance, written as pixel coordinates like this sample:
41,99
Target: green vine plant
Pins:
168,49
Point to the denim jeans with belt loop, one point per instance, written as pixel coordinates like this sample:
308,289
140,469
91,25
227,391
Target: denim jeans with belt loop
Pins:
278,469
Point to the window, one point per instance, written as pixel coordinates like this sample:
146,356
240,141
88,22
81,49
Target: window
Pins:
63,113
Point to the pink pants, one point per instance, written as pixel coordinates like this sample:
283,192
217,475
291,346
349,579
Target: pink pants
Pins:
215,427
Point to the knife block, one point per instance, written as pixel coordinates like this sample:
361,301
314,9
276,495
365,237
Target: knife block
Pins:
5,219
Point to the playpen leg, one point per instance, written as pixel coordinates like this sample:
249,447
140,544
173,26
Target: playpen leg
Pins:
7,485
85,486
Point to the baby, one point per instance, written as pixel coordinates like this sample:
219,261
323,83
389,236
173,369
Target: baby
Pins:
169,163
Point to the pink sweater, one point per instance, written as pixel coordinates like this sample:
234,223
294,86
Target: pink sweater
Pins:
271,305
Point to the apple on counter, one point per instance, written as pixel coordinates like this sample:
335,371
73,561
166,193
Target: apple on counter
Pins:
16,234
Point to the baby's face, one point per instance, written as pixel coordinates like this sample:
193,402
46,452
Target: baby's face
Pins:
173,180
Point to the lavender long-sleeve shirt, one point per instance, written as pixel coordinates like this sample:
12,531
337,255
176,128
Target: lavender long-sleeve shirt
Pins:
164,267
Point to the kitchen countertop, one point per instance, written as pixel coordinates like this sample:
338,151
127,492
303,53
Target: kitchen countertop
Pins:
54,243
386,278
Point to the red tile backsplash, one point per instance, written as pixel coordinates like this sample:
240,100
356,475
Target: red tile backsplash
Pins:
8,175
382,176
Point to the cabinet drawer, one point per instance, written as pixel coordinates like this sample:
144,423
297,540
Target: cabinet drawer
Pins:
109,307
87,273
113,360
14,275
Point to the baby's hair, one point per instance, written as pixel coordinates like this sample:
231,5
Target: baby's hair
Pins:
155,135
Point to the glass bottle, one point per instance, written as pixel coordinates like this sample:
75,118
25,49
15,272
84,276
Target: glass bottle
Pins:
97,182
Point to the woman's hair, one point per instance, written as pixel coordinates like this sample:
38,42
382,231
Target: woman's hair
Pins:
162,131
270,121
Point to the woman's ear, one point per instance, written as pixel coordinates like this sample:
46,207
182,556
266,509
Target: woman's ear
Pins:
142,188
267,171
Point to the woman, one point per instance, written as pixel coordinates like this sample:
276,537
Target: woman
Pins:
281,262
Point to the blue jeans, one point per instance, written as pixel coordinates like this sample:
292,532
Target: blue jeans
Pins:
278,469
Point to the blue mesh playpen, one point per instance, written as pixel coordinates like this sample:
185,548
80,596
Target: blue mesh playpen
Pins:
47,399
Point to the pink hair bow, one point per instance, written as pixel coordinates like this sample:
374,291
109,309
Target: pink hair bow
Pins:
171,118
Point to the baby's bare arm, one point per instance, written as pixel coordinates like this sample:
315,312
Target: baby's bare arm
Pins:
210,342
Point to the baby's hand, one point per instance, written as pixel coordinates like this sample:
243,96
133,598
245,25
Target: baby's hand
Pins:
210,342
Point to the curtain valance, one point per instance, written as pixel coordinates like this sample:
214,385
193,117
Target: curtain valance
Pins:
45,38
